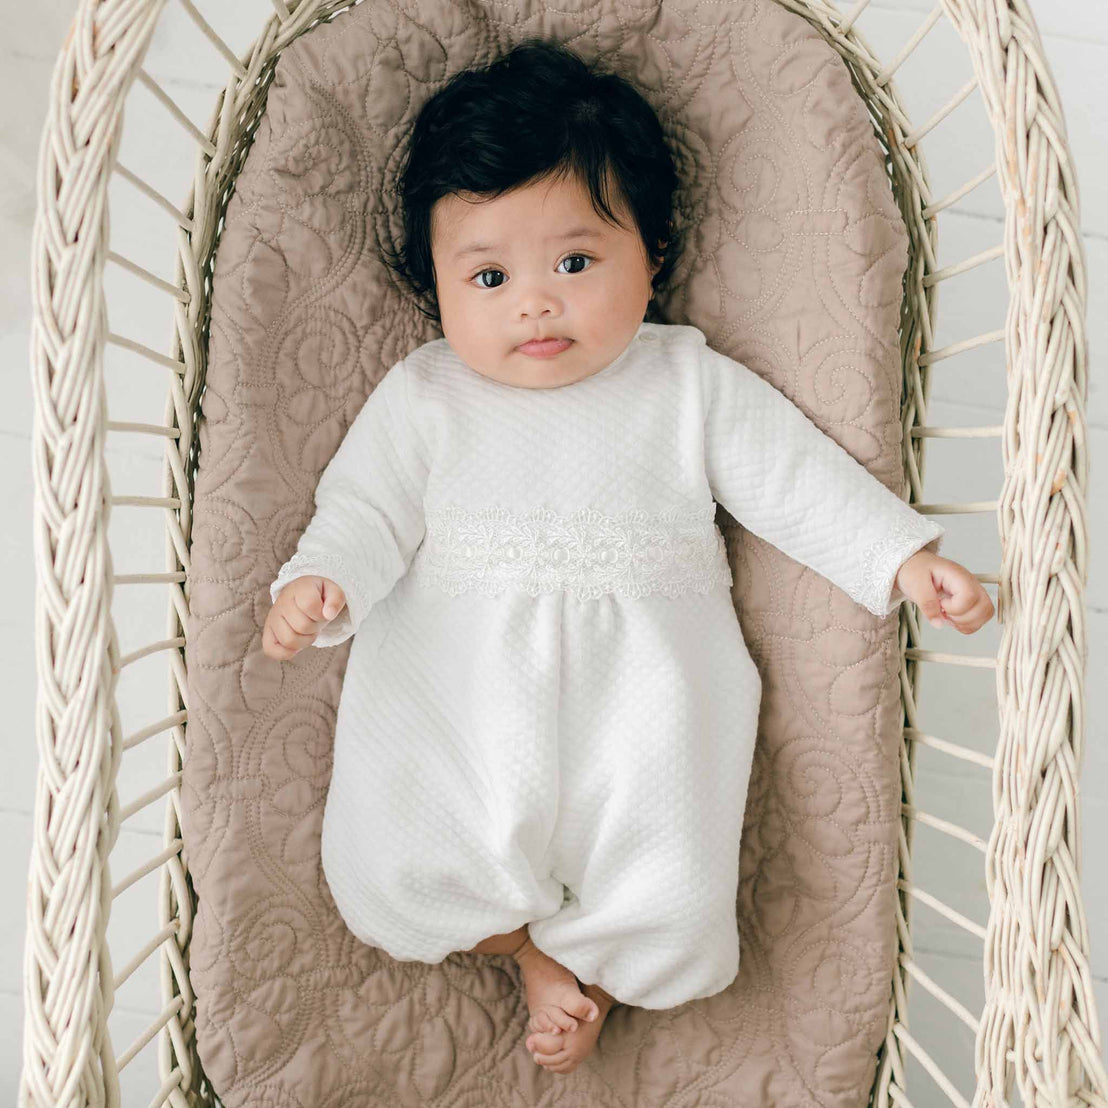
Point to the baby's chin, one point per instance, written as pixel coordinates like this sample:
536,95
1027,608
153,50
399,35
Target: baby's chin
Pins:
529,372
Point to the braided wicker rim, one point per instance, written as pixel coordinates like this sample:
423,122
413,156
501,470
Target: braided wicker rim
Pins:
1039,1026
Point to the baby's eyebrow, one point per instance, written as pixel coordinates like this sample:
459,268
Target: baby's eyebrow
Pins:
481,247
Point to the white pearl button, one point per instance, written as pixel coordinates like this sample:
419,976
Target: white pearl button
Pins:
512,552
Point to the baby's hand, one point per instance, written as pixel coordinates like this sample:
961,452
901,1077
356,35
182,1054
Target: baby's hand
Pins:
302,609
945,591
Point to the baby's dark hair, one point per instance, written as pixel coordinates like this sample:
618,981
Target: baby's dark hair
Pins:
539,111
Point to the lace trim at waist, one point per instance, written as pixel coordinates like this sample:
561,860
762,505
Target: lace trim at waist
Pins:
586,553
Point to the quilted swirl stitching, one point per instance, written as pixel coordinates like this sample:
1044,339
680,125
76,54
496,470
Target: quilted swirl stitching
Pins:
587,553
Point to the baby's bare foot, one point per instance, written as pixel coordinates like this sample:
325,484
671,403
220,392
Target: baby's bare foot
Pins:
553,998
564,1051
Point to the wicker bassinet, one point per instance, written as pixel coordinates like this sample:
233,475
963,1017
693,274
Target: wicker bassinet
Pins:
1038,1030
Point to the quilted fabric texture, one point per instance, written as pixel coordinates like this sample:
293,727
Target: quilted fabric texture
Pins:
793,268
566,738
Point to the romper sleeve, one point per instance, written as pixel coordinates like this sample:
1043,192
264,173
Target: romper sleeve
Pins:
369,517
783,478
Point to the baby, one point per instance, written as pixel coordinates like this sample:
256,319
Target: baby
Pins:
548,714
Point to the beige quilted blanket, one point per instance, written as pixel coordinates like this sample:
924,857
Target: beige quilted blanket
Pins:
793,266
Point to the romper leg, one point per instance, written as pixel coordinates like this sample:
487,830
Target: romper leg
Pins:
659,724
438,808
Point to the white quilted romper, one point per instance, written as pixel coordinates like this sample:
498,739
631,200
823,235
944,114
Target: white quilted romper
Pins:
548,713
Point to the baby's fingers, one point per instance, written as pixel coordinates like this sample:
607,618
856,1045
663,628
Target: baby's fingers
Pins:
967,618
334,599
927,597
276,642
294,631
313,603
303,610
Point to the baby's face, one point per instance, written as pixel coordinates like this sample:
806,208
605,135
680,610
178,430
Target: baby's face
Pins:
540,264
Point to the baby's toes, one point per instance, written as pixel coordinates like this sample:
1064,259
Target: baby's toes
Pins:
540,1021
560,1062
562,1019
542,1043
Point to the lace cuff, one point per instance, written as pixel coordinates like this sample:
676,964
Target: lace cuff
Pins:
876,587
332,566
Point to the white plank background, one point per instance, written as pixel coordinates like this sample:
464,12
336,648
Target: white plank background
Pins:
1075,36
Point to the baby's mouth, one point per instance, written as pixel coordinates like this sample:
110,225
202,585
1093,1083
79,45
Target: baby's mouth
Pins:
545,347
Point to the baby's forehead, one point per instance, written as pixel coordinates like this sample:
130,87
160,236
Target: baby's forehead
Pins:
461,237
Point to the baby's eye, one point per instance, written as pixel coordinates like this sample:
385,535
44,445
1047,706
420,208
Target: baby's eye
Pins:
584,257
477,276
